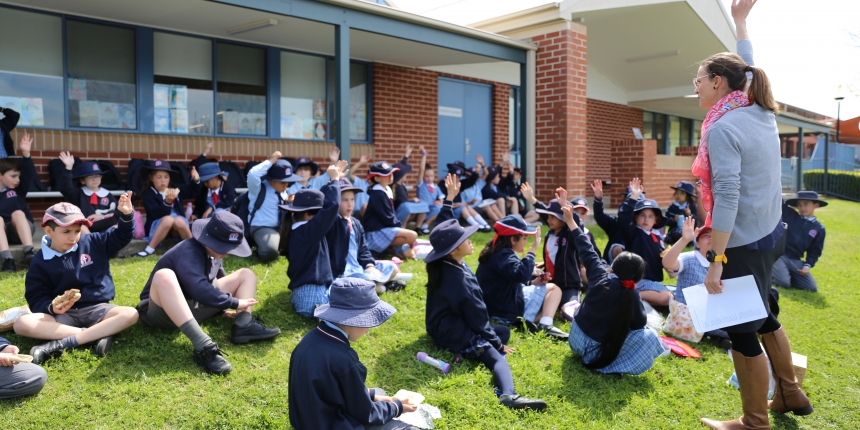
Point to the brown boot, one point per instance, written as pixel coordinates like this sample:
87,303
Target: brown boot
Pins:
788,397
753,379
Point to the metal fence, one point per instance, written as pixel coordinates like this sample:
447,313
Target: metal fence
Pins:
838,174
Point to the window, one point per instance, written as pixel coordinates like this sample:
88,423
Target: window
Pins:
303,98
31,68
241,89
101,75
182,94
697,132
357,101
659,130
686,132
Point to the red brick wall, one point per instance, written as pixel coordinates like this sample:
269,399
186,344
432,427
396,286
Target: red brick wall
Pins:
638,159
607,122
501,124
560,116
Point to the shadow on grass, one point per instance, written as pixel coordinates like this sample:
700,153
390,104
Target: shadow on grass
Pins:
784,421
599,394
816,300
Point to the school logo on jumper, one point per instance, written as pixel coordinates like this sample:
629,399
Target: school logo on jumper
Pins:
104,201
86,260
157,163
564,241
11,193
813,233
233,236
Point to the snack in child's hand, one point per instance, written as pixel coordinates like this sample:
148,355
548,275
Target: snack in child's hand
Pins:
17,358
414,398
72,295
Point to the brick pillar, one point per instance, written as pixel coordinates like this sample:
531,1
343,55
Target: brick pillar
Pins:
501,122
560,117
632,158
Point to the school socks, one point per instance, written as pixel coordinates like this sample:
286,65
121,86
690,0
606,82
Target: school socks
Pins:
425,225
472,221
6,254
546,320
481,220
243,319
69,342
195,334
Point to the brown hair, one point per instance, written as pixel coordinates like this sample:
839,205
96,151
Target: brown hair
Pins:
7,164
732,68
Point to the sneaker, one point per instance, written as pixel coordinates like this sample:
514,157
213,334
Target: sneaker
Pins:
103,345
28,257
8,265
423,231
143,254
523,325
515,401
253,331
395,285
553,331
211,358
52,349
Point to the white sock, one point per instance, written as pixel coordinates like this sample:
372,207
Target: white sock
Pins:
546,320
481,220
472,221
425,225
149,250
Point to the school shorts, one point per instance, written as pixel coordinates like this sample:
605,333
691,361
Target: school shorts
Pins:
154,315
84,317
12,233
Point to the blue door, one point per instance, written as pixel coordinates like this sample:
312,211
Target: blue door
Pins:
465,123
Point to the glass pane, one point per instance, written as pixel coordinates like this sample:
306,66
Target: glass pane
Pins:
686,130
674,135
697,132
101,75
241,89
183,84
303,108
31,68
648,125
357,101
660,131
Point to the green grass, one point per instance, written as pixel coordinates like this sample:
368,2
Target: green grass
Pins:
150,381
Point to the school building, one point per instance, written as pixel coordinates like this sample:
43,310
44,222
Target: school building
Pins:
576,90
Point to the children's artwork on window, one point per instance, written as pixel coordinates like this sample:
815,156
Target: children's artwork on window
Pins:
77,89
127,116
108,115
288,127
161,96
231,122
31,112
319,109
179,97
179,120
246,125
319,130
13,103
307,129
259,124
162,121
88,113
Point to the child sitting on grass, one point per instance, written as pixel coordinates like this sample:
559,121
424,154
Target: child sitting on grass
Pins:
682,208
189,285
18,379
456,316
405,208
805,236
217,194
608,330
69,260
384,231
163,205
81,185
16,175
327,380
428,193
267,191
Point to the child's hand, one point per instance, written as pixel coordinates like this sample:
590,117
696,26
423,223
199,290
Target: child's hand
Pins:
364,158
25,145
10,349
480,159
528,193
689,230
687,212
124,204
194,175
597,188
803,271
63,309
569,215
408,406
334,154
275,157
408,150
208,149
507,349
561,194
5,362
452,184
536,243
67,159
337,170
245,303
170,195
372,271
423,151
635,188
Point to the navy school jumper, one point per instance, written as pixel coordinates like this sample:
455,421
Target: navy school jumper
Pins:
804,237
648,246
87,269
501,279
338,245
309,252
74,193
609,224
379,213
157,208
13,199
567,275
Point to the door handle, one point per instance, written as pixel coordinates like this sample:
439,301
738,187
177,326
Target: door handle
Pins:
468,147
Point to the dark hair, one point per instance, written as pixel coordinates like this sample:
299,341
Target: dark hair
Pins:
51,224
434,272
7,164
734,70
147,180
501,243
286,229
427,166
627,267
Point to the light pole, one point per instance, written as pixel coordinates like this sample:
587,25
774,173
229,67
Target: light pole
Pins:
838,114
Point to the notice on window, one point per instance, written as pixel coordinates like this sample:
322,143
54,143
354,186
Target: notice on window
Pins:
450,111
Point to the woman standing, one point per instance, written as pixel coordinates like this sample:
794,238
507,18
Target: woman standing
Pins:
739,166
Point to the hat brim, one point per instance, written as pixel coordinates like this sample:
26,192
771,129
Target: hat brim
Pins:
294,208
793,202
681,189
436,254
661,221
402,170
354,189
391,173
97,172
314,167
364,318
291,178
546,212
82,221
164,167
241,249
582,206
208,177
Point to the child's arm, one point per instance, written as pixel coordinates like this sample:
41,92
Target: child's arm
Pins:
474,313
189,191
587,254
483,171
66,184
255,183
688,233
522,269
815,249
452,186
229,196
10,120
155,206
322,222
423,164
117,238
37,291
28,169
357,166
625,213
360,406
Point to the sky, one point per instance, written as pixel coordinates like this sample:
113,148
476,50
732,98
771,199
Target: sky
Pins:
804,46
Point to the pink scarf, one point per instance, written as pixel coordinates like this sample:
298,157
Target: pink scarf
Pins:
702,164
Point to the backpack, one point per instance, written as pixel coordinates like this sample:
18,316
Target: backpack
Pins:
112,179
37,184
135,179
56,169
234,177
241,208
247,168
180,175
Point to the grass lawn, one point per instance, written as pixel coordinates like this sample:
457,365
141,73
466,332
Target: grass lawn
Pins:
149,380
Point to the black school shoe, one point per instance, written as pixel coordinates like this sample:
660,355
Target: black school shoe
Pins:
553,331
28,257
395,285
8,265
103,346
515,401
52,349
210,357
255,330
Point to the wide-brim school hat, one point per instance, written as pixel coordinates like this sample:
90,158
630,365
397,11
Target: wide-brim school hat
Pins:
88,168
381,168
806,195
402,170
305,161
223,233
686,187
643,204
346,185
64,215
513,225
446,237
580,202
281,171
458,168
353,302
304,200
553,208
157,165
492,172
208,171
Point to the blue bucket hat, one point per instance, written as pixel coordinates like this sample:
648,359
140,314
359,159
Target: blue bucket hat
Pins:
281,171
553,208
806,195
304,200
446,237
223,233
353,302
686,187
643,204
305,161
210,170
89,168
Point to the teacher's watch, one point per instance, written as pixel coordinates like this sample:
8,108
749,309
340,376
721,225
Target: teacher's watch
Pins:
712,257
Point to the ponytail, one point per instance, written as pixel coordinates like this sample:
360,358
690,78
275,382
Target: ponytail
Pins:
733,69
434,273
496,245
760,91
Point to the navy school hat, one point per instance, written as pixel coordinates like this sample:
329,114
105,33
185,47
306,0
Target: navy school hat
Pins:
353,302
281,171
553,208
305,161
346,185
157,165
381,168
306,199
686,187
643,204
89,168
208,171
223,233
446,237
458,168
806,195
580,202
403,170
492,172
513,225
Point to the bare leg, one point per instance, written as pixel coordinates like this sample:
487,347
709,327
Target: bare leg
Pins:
531,216
242,284
4,242
656,298
161,232
22,226
165,292
515,208
43,326
405,237
501,207
419,219
115,321
491,212
550,302
182,229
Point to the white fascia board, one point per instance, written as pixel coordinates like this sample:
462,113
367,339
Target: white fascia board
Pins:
661,93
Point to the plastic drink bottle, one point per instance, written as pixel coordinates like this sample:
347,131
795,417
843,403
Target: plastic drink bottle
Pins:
439,364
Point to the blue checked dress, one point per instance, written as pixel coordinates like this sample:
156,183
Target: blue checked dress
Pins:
354,269
637,355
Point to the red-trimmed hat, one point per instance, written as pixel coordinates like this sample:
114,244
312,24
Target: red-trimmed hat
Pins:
580,202
513,225
64,215
381,168
702,231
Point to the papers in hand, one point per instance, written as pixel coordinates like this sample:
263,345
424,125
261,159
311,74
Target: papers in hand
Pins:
740,302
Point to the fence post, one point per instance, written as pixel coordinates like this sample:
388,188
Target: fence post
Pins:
800,159
826,159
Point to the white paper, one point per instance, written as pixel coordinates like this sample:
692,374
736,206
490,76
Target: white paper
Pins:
637,133
740,302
